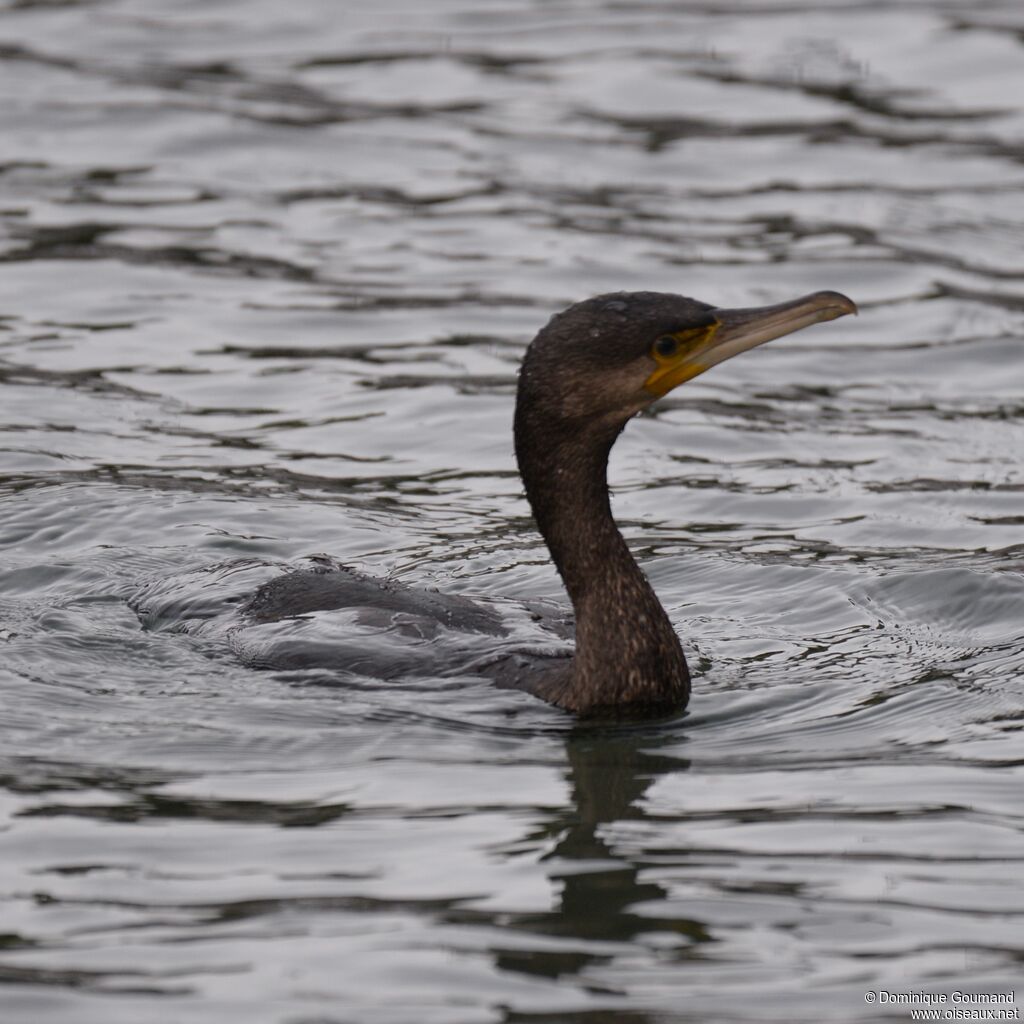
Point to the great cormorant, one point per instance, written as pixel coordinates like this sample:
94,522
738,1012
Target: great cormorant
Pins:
586,374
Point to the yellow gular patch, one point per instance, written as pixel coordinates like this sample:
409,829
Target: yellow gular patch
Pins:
678,358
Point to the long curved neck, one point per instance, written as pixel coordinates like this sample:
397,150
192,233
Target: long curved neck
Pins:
627,653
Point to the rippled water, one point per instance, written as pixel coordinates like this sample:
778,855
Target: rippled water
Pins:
267,272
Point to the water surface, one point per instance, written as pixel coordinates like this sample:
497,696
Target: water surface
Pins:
267,273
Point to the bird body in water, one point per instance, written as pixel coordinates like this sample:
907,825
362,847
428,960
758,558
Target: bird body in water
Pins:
586,374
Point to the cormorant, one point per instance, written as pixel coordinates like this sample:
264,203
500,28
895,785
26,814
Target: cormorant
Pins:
585,375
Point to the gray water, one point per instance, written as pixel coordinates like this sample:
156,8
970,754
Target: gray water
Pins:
267,272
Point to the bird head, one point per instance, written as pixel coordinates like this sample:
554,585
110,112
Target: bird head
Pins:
605,359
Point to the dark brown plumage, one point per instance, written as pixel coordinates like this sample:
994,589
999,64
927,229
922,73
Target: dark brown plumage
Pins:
586,374
578,387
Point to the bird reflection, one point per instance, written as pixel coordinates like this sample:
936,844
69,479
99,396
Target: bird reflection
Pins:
600,888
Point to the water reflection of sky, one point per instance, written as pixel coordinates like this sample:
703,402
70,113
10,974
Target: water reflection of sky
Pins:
267,275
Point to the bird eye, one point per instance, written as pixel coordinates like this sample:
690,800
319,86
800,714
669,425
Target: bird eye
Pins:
666,346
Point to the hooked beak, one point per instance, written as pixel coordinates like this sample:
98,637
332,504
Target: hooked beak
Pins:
737,330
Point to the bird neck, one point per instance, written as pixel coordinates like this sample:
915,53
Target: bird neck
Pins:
627,653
